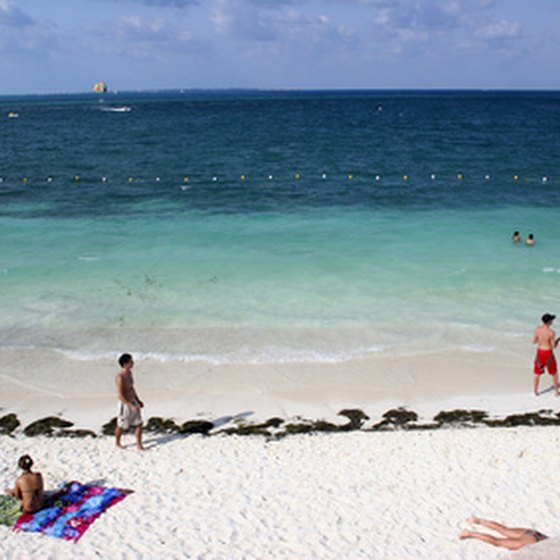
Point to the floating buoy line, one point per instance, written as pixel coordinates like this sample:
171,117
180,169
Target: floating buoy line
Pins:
187,180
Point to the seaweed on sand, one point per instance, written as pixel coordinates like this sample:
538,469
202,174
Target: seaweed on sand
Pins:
459,416
8,423
48,426
396,418
195,427
161,425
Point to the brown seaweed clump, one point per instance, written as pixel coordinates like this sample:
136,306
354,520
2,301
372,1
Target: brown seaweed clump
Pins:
395,419
541,418
108,429
195,427
53,426
80,433
260,429
8,423
161,425
356,419
460,417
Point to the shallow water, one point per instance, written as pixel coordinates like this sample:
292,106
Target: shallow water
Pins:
268,227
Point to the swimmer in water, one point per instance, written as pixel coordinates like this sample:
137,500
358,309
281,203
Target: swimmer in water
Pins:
530,239
516,237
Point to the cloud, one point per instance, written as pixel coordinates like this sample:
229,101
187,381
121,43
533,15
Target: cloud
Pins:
499,30
21,35
134,28
148,31
141,37
10,16
161,3
241,19
273,20
425,16
438,28
414,27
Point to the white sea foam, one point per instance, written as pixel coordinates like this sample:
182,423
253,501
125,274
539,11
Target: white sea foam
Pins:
478,348
266,356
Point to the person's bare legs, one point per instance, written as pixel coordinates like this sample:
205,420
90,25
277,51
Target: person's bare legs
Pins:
511,532
536,385
555,383
138,433
516,537
118,434
509,543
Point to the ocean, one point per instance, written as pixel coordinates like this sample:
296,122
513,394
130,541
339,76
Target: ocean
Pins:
275,227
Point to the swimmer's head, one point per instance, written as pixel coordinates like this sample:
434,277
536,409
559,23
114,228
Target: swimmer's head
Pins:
125,359
548,318
25,463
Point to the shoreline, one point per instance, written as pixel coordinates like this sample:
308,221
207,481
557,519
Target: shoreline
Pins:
83,393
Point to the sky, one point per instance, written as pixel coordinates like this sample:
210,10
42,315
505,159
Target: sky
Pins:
56,46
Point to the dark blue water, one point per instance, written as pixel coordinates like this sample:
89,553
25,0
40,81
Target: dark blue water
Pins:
321,149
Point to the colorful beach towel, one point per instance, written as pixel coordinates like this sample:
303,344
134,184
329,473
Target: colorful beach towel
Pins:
71,511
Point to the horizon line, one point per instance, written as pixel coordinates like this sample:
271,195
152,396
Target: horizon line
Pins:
183,90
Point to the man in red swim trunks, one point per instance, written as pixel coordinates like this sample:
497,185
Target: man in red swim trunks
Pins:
546,340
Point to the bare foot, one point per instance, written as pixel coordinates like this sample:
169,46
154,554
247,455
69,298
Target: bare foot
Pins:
474,520
140,448
119,446
465,535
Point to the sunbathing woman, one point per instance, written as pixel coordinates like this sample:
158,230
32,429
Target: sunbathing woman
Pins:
514,538
29,487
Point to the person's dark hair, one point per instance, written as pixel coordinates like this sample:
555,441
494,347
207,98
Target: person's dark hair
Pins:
515,234
124,359
25,463
530,236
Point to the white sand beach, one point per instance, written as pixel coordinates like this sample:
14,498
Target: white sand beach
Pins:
394,495
387,496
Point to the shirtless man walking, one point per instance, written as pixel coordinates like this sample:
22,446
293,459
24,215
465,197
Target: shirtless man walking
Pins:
546,339
128,414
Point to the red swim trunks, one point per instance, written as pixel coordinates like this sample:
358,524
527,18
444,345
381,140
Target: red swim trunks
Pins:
545,360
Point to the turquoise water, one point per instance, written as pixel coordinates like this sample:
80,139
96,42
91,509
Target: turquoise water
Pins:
263,227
